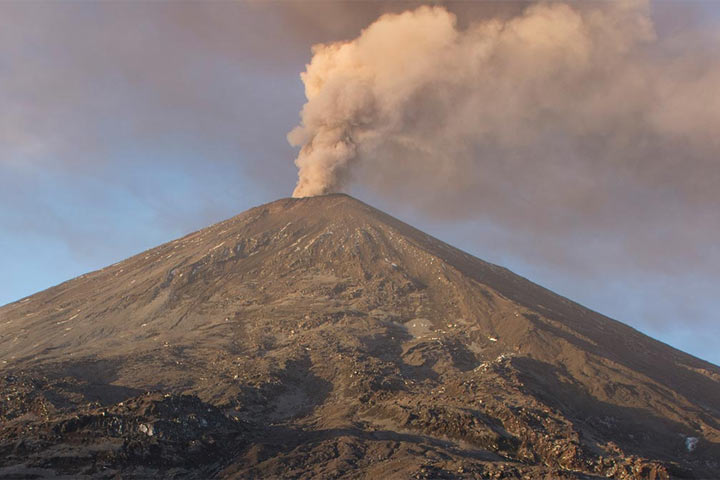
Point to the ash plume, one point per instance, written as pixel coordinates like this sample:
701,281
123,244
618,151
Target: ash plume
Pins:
560,116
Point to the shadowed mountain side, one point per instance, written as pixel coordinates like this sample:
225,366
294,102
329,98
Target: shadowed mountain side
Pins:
339,341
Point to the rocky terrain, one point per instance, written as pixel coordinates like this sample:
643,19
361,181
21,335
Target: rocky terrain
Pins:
321,338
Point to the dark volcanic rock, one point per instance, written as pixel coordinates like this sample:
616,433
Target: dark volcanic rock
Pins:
321,338
150,435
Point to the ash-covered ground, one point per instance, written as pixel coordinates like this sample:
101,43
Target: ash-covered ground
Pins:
321,338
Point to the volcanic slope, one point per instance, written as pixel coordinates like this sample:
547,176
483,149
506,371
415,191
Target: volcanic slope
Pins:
322,338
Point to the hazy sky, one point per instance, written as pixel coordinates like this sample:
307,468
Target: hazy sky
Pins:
128,124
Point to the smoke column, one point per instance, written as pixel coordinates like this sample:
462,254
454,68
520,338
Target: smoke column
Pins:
563,105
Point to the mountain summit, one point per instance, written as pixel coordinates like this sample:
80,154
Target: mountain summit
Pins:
321,338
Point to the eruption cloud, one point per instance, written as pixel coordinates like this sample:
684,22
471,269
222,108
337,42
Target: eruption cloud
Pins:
580,110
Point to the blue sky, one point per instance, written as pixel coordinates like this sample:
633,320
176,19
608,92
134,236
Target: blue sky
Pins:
128,125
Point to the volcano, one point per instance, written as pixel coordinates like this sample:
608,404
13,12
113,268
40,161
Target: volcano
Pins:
322,338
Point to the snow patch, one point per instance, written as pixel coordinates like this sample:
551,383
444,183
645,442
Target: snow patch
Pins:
691,443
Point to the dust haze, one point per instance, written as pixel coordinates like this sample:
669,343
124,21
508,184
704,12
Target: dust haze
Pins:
560,120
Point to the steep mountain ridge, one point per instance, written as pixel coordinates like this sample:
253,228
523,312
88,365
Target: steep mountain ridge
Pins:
340,341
